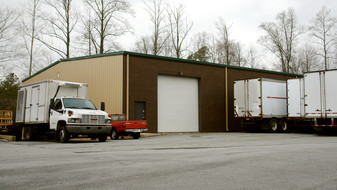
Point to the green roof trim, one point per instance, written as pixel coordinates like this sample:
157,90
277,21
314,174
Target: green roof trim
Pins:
162,58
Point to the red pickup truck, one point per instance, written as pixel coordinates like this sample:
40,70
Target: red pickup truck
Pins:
122,127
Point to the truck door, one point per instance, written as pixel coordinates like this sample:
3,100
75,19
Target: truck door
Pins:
34,111
55,114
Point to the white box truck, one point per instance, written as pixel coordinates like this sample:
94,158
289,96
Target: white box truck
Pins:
261,102
60,107
320,99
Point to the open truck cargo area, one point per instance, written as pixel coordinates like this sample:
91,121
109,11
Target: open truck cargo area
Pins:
59,107
261,102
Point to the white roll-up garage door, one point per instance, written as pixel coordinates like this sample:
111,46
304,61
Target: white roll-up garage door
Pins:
178,104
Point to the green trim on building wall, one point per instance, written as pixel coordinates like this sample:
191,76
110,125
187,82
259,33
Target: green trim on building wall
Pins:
161,58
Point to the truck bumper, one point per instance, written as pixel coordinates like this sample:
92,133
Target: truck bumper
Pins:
135,130
89,129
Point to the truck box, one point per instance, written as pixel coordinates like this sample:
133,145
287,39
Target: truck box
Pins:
295,95
34,99
261,99
320,97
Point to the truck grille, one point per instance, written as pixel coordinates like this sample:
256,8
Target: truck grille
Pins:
93,119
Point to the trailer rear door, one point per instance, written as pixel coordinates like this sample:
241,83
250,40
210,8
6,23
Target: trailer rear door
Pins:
20,107
330,93
295,95
274,98
254,97
313,99
240,98
34,104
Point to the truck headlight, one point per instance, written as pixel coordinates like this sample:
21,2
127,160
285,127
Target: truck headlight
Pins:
108,121
74,120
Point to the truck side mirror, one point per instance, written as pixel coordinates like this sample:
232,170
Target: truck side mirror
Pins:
51,105
103,106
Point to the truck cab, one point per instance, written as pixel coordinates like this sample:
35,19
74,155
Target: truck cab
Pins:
78,116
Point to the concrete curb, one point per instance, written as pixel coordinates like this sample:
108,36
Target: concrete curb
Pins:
8,137
144,135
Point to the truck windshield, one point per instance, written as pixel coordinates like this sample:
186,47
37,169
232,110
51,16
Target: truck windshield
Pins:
118,118
76,103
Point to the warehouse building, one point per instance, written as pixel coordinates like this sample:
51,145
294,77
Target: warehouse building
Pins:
173,95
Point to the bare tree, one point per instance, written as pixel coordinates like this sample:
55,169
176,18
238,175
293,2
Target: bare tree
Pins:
144,45
86,39
200,47
252,58
213,49
224,43
31,29
8,19
61,25
180,26
160,34
309,58
323,28
109,21
280,38
238,58
8,43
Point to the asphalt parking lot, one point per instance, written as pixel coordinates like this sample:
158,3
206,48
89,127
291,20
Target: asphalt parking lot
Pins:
175,161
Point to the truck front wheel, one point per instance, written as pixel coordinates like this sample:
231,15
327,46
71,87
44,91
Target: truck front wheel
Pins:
63,134
114,135
273,125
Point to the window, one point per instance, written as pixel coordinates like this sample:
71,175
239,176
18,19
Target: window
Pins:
58,104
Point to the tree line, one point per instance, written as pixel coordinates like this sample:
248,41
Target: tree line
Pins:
31,38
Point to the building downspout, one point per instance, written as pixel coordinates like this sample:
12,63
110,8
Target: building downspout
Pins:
127,85
226,92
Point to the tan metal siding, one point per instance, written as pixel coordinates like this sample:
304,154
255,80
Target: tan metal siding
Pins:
104,75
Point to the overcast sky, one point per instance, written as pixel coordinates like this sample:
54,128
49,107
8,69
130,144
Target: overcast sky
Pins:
244,15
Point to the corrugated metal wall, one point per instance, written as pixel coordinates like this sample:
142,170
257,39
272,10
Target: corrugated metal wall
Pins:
104,75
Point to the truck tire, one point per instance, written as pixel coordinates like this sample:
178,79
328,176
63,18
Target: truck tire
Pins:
114,135
273,125
63,134
136,136
283,125
102,138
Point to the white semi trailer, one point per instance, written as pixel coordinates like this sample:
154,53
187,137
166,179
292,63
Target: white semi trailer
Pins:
261,102
59,107
316,95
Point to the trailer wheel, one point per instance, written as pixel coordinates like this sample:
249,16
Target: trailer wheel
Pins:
114,135
283,125
273,125
64,135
